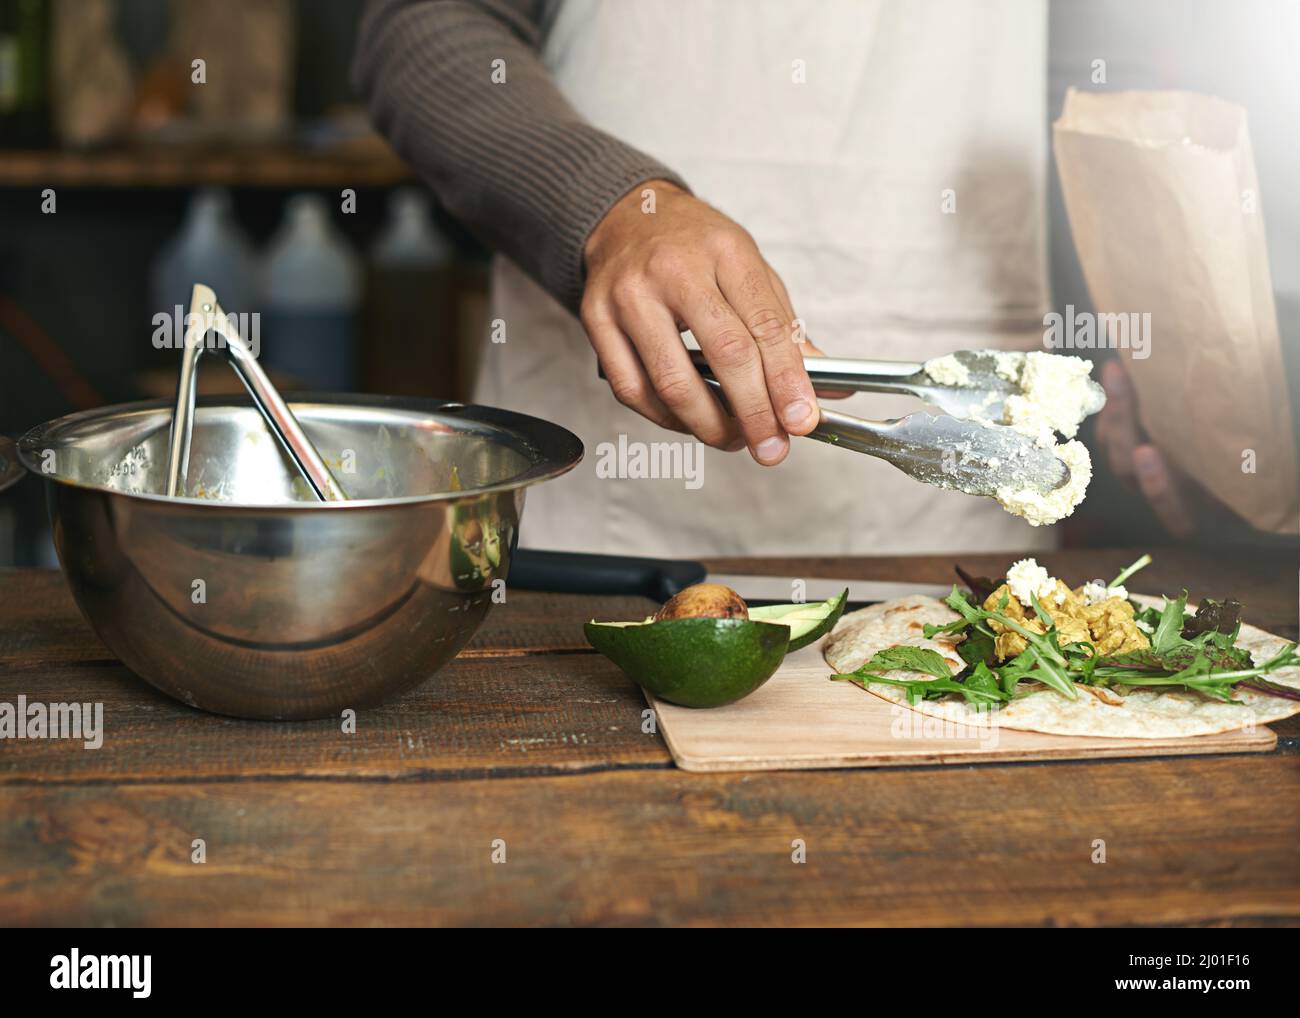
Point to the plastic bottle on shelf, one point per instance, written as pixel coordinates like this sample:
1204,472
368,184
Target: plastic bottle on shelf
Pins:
312,285
411,342
409,239
209,248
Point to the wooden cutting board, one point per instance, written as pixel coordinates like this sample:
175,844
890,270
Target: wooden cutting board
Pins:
801,719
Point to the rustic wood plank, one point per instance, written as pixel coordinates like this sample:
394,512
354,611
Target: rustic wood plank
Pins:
533,622
40,622
1186,842
484,713
569,712
478,716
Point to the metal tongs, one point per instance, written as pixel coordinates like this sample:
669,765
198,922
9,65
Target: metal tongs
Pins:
982,394
959,448
207,317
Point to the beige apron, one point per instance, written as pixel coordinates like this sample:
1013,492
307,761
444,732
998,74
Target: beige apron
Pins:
836,132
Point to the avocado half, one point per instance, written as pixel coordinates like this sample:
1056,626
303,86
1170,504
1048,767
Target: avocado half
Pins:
707,662
808,622
694,662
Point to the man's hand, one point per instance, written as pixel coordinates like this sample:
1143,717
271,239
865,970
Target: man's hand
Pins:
1174,498
685,265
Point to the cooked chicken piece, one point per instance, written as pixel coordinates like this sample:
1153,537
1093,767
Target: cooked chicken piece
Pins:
1113,627
1108,625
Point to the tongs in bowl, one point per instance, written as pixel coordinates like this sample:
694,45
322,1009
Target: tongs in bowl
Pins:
206,316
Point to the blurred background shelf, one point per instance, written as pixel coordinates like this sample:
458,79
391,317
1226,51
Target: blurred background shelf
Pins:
213,140
365,164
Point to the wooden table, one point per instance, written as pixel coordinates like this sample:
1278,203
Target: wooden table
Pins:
531,742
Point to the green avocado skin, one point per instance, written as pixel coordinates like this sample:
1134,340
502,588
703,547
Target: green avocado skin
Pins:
695,662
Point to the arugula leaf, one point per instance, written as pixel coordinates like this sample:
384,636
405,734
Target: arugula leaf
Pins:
1012,672
1286,657
1172,649
1169,630
1196,653
983,679
978,647
955,626
908,659
1042,660
1178,658
962,605
930,689
1148,616
1050,673
1141,563
1201,675
1082,659
970,612
980,687
1047,620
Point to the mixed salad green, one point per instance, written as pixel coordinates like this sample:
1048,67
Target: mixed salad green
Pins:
1188,651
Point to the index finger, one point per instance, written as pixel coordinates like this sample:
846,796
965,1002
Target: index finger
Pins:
737,365
748,289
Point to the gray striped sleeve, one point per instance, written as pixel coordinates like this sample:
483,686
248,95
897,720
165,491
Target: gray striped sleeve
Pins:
511,160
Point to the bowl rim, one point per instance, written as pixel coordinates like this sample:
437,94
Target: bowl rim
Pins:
552,449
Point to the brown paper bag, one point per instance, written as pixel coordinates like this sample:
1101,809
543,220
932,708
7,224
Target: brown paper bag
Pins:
1164,205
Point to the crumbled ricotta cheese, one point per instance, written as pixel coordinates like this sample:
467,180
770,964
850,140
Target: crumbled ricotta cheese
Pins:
1054,394
1039,509
1096,591
948,371
1008,363
1027,579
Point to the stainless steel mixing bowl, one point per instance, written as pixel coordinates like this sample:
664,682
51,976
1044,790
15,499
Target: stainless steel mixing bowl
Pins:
251,598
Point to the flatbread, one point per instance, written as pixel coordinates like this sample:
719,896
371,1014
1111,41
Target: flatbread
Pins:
858,636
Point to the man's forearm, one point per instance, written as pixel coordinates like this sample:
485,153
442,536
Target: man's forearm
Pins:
509,158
